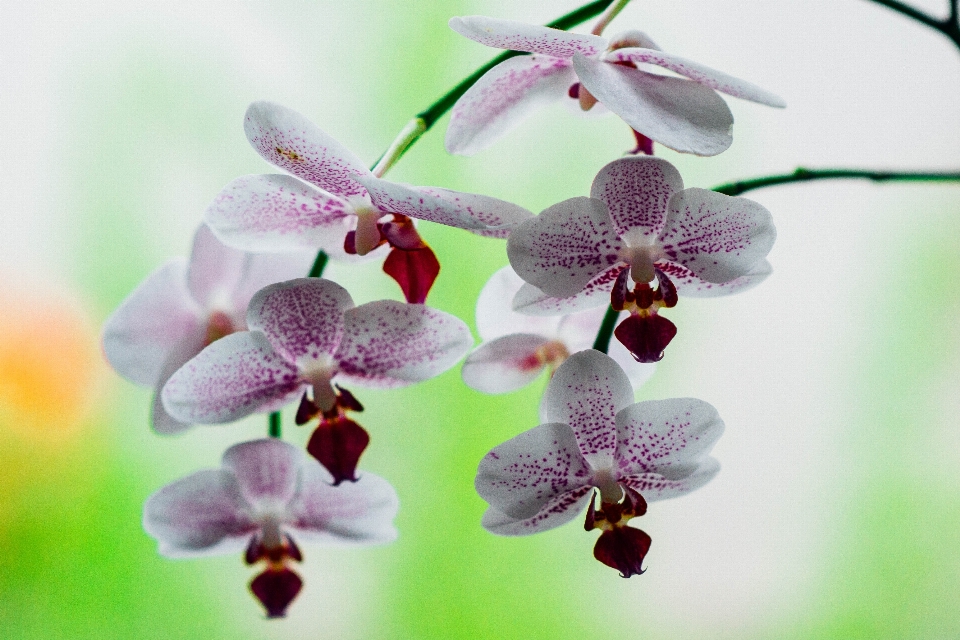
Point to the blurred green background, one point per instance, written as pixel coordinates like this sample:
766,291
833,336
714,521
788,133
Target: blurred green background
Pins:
837,511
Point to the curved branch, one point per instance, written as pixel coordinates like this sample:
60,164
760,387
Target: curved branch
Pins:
807,175
949,27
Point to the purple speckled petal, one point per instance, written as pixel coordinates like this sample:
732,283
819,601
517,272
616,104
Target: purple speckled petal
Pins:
712,78
288,140
159,314
214,268
455,209
504,364
681,114
230,379
275,212
596,293
636,190
520,36
656,435
522,475
561,510
690,286
565,247
302,318
352,513
495,317
653,486
390,344
200,515
717,237
586,392
267,471
503,97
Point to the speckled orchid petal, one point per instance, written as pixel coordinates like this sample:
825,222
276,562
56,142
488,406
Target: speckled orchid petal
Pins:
532,301
495,316
519,477
267,471
140,334
566,246
275,212
505,95
200,515
504,364
520,36
352,513
653,486
636,190
230,379
288,140
690,286
561,510
656,435
697,72
681,114
717,237
586,392
302,318
214,268
462,210
637,372
263,269
390,344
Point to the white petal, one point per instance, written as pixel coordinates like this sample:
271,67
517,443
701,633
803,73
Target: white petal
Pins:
391,344
503,97
522,475
561,510
631,38
263,269
636,190
455,209
586,392
653,486
275,212
533,301
637,372
563,248
288,140
161,421
302,318
520,36
202,514
690,286
359,513
717,237
505,364
495,315
214,268
140,334
681,114
267,470
712,78
657,435
232,378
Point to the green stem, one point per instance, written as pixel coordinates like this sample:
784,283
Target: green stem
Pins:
608,17
807,175
602,343
318,265
949,27
275,430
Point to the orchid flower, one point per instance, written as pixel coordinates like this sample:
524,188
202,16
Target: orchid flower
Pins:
685,114
516,348
333,202
595,438
305,337
640,224
266,494
185,305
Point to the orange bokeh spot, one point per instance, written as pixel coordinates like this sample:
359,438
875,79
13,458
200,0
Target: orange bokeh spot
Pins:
49,363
